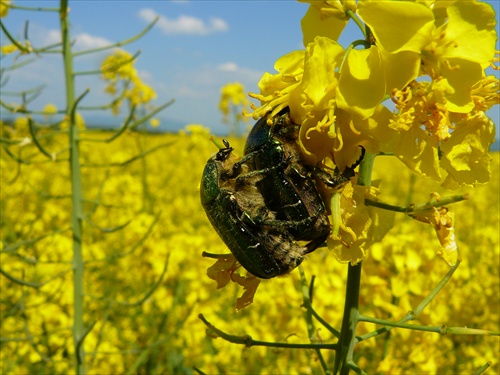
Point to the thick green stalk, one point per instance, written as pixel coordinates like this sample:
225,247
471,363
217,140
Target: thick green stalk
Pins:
76,191
347,338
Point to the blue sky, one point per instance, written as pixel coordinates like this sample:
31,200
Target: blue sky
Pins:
195,48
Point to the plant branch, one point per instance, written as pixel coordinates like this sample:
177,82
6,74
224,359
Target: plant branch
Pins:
412,208
110,69
306,298
119,44
246,340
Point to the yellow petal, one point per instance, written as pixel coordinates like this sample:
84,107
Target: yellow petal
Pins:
222,270
465,153
316,23
250,283
361,225
291,63
419,151
316,143
4,8
472,30
321,59
442,221
361,85
461,75
400,68
398,25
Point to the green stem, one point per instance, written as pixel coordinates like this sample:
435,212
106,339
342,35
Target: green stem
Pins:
247,340
37,142
119,44
443,330
358,22
307,301
349,321
415,209
421,306
76,191
37,9
343,357
23,48
110,69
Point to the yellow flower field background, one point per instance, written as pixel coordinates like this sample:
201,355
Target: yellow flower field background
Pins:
102,233
145,279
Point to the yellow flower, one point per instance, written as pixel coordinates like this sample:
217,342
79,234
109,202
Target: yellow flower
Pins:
21,123
328,106
485,93
362,83
4,7
360,226
234,93
8,49
312,102
423,105
49,109
120,67
140,93
155,122
233,96
439,128
325,18
466,156
372,134
456,50
425,125
79,120
223,271
305,83
197,132
442,221
275,88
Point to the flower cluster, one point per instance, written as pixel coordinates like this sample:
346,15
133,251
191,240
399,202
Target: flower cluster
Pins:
429,57
232,94
36,245
233,102
119,67
4,8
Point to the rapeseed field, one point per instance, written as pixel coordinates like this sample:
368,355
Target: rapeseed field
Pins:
145,279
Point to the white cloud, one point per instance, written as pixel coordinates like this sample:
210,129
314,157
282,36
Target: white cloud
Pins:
233,71
52,37
146,76
83,41
228,67
87,41
183,24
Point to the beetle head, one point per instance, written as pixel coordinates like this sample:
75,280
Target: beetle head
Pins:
224,153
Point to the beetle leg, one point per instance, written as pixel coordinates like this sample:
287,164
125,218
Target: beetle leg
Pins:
287,224
358,162
243,179
246,158
333,181
314,244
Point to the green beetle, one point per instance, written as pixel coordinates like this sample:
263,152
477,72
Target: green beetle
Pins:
288,186
263,245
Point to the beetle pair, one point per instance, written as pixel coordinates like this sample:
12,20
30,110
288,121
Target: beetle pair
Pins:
239,215
262,204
